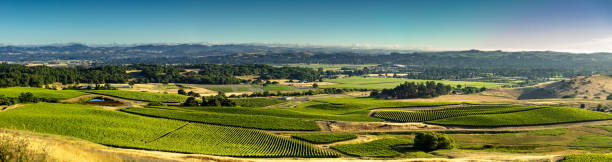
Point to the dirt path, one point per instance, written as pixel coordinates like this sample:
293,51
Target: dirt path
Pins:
10,107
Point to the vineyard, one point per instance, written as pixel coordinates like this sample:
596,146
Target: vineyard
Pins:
119,129
40,92
428,115
322,138
588,157
141,96
377,148
256,102
546,115
238,120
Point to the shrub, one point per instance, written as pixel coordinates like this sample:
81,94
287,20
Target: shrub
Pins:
429,141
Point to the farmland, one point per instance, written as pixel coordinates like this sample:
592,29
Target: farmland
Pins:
428,115
246,121
547,115
40,92
325,137
381,83
132,131
377,148
256,102
141,96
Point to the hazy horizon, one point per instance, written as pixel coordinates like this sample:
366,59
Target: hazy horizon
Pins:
546,25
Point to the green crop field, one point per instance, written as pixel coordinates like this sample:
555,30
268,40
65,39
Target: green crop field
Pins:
120,129
547,115
256,102
274,87
588,157
141,96
40,92
377,148
321,138
381,83
427,115
239,120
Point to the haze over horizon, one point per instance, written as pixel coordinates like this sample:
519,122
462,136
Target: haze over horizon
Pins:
556,25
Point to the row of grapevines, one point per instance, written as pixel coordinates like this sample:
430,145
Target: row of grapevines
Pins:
434,114
231,141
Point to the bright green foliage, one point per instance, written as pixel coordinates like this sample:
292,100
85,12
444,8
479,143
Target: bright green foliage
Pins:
551,132
245,121
282,112
321,138
547,115
429,141
141,96
588,157
380,83
378,148
119,129
218,140
359,105
256,102
40,92
427,115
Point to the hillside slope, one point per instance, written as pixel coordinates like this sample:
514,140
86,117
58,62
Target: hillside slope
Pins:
591,87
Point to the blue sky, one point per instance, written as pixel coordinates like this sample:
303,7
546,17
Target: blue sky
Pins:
563,25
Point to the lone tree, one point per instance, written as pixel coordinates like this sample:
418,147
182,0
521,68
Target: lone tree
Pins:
429,141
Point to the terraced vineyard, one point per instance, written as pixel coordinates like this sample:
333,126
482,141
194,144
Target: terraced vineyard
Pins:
245,121
141,96
40,92
119,129
321,138
546,115
427,115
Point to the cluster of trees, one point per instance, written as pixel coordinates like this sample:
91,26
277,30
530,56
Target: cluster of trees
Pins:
19,75
219,100
106,86
414,90
24,98
429,141
190,93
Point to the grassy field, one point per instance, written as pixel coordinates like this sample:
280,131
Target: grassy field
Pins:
377,148
256,102
381,83
141,96
40,92
322,138
428,115
238,120
119,129
547,115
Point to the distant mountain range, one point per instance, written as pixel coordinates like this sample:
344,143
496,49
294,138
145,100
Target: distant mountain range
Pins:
284,54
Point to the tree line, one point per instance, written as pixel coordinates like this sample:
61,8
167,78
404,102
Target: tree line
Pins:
19,75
